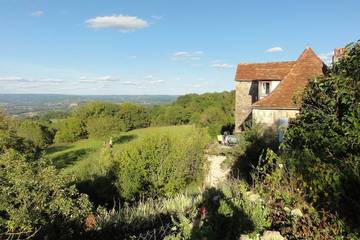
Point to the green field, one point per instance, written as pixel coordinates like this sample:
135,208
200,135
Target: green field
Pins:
83,157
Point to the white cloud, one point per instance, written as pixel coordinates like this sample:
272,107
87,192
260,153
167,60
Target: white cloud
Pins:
129,83
222,65
30,80
121,22
107,79
51,80
156,81
14,79
133,57
196,55
102,79
274,49
38,13
326,57
181,54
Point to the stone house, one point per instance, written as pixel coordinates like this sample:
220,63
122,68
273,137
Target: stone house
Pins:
265,92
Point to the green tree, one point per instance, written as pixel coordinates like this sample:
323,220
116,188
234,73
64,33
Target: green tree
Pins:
134,116
36,133
33,195
8,137
215,120
104,126
323,143
69,130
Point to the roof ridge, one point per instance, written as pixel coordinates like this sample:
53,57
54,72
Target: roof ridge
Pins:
311,51
290,74
281,82
266,62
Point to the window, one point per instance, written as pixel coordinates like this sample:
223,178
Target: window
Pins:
266,88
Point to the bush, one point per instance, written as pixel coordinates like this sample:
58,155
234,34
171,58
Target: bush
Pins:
34,196
9,138
160,165
134,116
35,132
69,130
323,143
212,110
214,119
254,141
104,126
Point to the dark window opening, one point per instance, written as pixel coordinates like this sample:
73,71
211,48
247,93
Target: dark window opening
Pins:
266,88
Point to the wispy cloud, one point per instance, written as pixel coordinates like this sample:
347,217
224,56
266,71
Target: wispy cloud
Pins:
195,55
150,79
326,57
101,79
121,22
274,49
222,65
133,57
157,17
156,81
37,13
108,79
132,83
30,80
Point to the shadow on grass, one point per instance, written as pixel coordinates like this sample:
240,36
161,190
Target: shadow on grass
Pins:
125,138
222,220
59,148
101,190
153,227
68,158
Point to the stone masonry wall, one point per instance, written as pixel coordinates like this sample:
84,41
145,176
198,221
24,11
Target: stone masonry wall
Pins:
271,118
246,95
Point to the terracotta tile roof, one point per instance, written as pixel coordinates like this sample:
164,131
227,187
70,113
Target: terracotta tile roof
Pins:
307,66
263,71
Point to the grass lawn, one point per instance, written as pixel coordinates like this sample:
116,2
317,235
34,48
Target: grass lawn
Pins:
82,158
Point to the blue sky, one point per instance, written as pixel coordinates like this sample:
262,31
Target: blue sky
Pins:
159,46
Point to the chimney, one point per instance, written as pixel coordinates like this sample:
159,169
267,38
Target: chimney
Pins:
338,53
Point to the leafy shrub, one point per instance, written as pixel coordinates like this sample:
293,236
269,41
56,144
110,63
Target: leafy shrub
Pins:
288,210
69,130
160,165
214,119
104,126
323,143
8,137
34,196
35,132
134,116
254,141
210,110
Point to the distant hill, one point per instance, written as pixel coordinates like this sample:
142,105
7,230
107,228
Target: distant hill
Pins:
33,104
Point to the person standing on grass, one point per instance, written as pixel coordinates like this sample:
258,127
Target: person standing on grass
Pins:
111,143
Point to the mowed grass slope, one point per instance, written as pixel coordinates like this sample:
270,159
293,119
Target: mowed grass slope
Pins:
85,158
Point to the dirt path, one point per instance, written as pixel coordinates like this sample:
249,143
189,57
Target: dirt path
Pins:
216,174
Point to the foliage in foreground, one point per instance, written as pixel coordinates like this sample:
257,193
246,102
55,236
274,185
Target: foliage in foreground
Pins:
34,197
160,165
323,143
223,213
